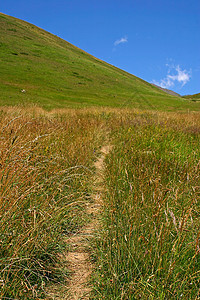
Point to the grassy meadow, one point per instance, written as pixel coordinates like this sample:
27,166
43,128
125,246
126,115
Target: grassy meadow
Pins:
148,243
45,170
149,247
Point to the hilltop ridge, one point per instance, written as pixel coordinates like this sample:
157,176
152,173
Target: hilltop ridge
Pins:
167,90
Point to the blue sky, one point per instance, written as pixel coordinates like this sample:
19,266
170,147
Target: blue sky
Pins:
156,40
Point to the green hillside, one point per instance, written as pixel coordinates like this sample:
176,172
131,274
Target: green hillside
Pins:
195,97
38,67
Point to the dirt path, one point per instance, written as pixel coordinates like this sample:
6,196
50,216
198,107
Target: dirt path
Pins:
78,257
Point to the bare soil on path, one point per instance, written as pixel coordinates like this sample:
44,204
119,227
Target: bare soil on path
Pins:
78,256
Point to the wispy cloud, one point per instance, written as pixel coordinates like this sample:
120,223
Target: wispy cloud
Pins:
175,74
121,41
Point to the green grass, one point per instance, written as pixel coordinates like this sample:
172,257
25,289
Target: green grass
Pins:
148,247
195,97
56,74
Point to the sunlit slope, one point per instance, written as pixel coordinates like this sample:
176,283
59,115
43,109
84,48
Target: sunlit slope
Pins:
55,73
195,97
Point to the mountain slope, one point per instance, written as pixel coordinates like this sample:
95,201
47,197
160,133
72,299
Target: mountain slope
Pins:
195,97
38,67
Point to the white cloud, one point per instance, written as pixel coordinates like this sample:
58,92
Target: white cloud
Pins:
121,41
175,74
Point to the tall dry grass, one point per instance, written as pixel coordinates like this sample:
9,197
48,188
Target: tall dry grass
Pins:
148,247
45,169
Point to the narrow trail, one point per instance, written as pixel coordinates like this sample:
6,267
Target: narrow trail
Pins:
78,256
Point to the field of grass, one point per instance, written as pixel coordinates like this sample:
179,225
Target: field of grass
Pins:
56,74
45,170
148,245
195,97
